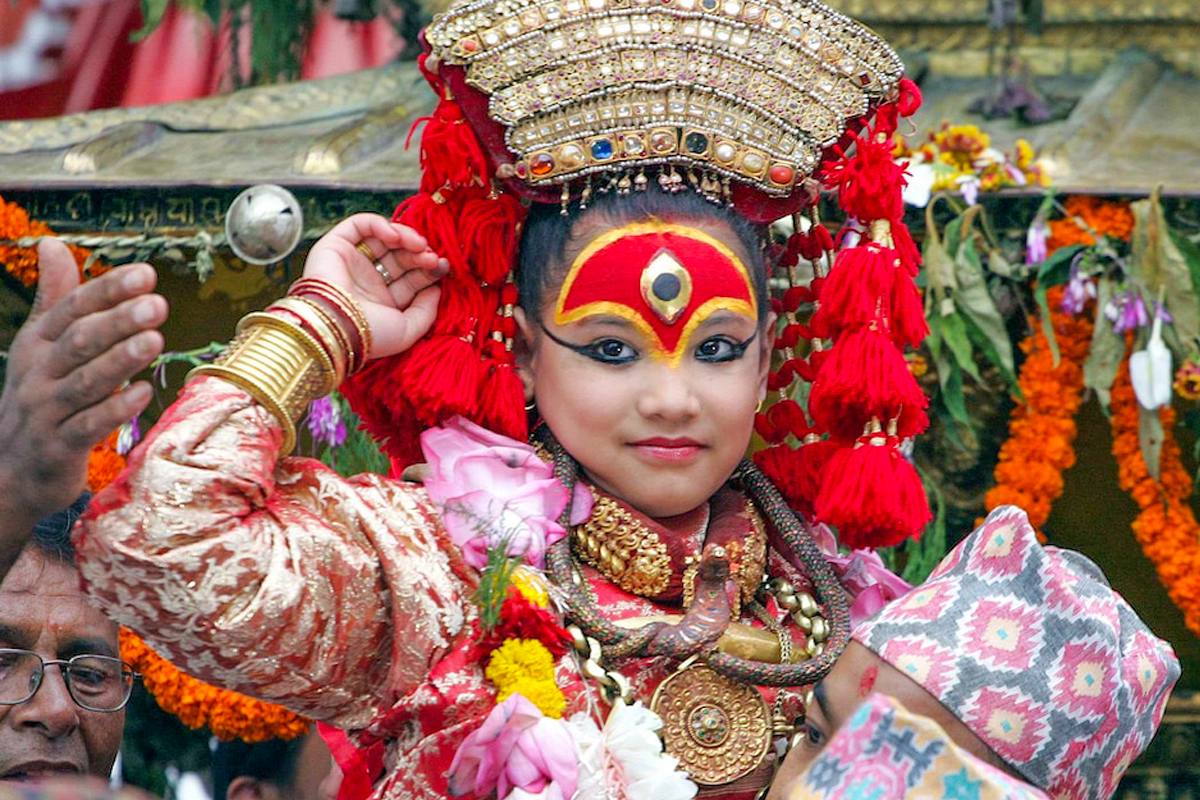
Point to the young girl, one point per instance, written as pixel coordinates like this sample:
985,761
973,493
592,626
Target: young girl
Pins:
428,620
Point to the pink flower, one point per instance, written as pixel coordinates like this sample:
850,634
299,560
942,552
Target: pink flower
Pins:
868,581
517,750
1035,241
494,492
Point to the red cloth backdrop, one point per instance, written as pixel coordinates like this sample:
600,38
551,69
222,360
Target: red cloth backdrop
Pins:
63,56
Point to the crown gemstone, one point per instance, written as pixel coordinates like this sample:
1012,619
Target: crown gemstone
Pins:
541,164
781,174
602,149
696,143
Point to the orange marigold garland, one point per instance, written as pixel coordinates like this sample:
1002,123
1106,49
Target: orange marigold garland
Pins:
1166,526
22,262
1102,217
1042,426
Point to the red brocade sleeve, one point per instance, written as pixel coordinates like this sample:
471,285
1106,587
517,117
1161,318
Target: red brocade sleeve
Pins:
274,577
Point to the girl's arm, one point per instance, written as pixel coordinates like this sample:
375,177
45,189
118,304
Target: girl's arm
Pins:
280,580
276,577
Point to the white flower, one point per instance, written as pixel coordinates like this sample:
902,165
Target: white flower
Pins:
625,760
919,187
1150,370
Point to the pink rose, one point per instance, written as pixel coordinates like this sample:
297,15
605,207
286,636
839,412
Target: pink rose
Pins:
495,492
517,750
868,581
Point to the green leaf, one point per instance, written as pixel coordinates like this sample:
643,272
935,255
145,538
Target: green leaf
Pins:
986,343
1107,349
975,302
1191,256
938,266
152,16
359,453
1055,270
1150,440
1162,267
954,336
948,372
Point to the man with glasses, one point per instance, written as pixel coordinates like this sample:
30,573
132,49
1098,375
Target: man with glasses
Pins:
63,687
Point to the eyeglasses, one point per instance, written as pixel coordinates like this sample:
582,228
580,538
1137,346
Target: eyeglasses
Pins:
96,683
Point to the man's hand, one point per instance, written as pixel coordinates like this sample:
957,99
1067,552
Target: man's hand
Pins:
64,387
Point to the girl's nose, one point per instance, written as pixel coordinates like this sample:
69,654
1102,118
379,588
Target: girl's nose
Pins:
669,395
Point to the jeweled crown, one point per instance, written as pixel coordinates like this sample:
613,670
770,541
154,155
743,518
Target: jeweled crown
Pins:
741,90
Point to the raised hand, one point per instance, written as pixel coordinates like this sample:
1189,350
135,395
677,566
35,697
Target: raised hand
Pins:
64,386
397,288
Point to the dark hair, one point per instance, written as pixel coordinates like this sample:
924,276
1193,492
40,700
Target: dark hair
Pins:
541,260
274,761
52,533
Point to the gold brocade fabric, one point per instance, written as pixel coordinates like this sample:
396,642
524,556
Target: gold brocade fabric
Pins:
341,599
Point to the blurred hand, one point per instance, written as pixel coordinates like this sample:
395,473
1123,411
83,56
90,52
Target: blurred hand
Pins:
399,312
64,387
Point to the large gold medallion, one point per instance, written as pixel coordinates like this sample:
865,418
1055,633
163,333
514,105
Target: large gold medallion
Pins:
718,728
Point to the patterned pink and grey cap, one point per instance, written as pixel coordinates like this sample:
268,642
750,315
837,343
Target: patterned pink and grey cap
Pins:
1032,649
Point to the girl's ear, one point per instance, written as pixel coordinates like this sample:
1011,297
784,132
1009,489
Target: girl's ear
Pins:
765,352
523,350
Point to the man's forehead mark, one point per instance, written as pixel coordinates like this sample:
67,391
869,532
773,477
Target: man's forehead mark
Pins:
867,682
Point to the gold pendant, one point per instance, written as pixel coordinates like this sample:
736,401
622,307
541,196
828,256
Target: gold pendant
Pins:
718,728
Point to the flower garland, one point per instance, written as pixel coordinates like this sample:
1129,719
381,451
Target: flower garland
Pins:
501,504
22,262
1042,426
1166,526
1102,217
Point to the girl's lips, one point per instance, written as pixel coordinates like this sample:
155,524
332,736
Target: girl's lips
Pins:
668,449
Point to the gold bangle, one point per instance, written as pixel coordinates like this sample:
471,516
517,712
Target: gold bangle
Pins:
280,365
318,323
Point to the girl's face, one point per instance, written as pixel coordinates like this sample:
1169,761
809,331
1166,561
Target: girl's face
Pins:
648,362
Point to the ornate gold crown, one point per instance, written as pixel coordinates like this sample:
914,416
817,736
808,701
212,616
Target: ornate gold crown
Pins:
748,90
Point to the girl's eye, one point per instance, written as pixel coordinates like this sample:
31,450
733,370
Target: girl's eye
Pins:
720,349
609,351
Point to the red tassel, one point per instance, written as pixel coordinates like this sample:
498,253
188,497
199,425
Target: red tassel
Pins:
488,227
376,396
450,153
857,291
502,403
437,223
864,491
906,248
441,377
869,182
797,473
908,311
866,376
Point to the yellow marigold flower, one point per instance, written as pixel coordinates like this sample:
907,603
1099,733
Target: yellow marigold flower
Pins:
519,660
531,585
917,364
1187,380
545,695
1024,154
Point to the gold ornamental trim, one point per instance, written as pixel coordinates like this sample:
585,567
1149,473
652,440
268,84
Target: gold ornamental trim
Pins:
718,728
628,553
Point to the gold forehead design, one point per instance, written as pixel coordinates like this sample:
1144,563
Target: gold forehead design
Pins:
666,286
748,91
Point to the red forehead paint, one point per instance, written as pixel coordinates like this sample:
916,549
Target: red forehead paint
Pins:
664,279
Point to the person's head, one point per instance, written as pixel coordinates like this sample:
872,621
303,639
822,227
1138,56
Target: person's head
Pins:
647,341
277,769
45,618
1022,653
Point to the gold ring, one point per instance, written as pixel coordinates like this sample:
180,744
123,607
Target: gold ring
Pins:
383,273
365,250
